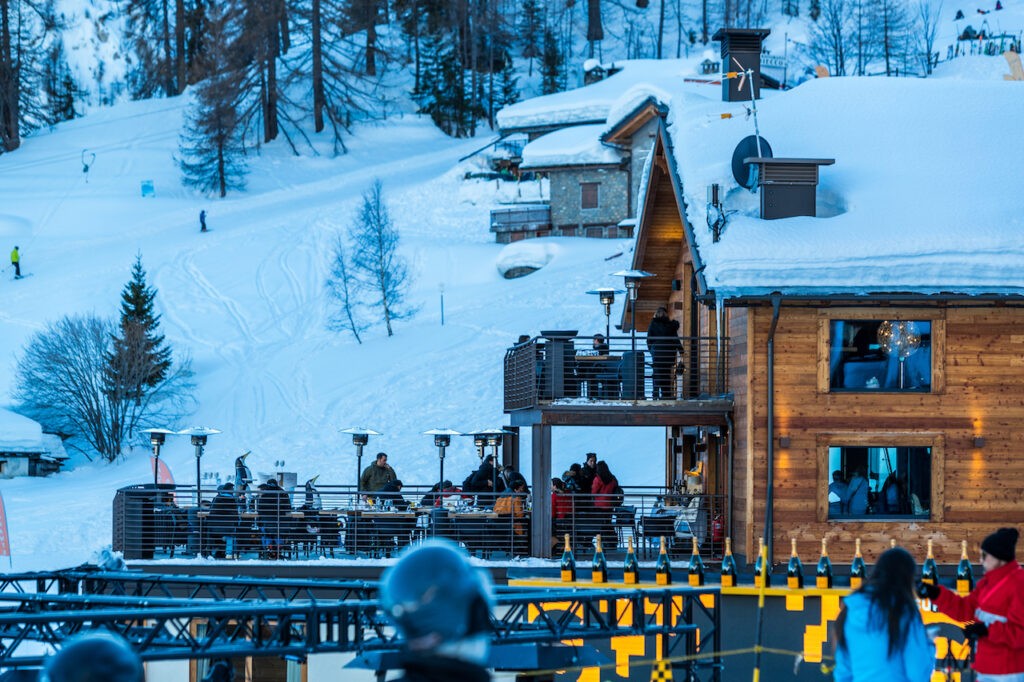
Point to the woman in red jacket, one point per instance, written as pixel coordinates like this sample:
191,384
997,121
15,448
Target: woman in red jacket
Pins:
995,607
604,490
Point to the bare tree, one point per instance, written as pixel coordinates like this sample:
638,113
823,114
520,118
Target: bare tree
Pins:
924,30
892,31
376,261
62,382
343,288
830,36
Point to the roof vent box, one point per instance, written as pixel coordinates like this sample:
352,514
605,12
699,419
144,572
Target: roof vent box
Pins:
741,50
788,187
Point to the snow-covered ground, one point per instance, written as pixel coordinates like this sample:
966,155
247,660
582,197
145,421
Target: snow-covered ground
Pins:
247,302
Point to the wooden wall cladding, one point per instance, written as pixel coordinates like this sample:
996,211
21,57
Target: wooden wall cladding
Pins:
977,391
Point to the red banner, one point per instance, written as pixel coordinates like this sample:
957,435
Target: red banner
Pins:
5,539
163,473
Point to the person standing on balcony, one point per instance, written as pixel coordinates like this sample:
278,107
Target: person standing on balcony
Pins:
377,475
663,342
606,491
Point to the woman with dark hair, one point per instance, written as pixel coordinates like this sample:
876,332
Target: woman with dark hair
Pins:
604,488
879,633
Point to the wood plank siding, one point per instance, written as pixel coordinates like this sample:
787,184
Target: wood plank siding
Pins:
977,391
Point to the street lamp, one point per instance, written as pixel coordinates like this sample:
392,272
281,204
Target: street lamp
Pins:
156,439
360,437
442,439
607,297
633,279
199,435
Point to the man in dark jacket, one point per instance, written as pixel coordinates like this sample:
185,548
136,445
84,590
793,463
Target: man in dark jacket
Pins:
663,342
273,507
223,521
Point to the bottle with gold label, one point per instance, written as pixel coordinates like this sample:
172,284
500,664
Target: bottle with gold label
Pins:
964,573
630,567
568,563
823,574
695,571
762,573
858,571
599,569
795,570
729,571
663,569
930,571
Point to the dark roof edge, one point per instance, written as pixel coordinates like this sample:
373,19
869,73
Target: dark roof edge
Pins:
649,101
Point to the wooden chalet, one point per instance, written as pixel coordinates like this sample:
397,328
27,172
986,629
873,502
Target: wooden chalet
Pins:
905,382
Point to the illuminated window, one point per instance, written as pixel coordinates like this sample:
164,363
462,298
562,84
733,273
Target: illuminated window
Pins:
880,355
879,482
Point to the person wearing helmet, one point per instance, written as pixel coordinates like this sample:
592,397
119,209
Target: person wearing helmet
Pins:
94,657
441,606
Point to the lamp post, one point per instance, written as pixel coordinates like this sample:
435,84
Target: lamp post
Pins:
199,435
156,439
607,297
360,437
442,439
633,279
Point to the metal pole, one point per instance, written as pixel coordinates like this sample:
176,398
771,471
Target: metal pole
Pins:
440,454
156,463
359,468
199,490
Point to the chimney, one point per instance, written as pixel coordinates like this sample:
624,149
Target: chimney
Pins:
788,187
742,45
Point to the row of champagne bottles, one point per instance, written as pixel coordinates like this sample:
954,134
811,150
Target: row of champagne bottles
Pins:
695,572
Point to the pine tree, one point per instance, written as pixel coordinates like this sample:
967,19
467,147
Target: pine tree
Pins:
211,152
550,65
139,359
531,26
509,93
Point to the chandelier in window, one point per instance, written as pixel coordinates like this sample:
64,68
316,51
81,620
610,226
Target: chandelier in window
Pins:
900,338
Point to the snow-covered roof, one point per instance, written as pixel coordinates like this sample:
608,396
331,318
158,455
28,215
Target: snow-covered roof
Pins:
574,146
20,434
924,196
592,103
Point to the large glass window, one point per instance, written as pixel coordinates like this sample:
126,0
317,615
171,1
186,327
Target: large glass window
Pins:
879,482
880,355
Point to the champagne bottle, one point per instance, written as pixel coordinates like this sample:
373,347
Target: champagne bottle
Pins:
795,570
695,571
568,563
858,571
930,571
823,576
663,569
599,569
630,568
762,574
729,571
964,574
892,543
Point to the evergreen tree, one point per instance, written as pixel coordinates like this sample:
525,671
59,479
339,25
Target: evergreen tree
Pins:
60,86
815,11
211,154
551,65
509,93
531,30
139,360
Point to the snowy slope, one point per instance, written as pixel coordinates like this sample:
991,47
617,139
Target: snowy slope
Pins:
246,301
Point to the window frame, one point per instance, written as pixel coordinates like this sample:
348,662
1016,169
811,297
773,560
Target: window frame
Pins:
936,317
929,439
584,186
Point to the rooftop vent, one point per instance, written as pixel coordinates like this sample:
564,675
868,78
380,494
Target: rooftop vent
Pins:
741,50
787,186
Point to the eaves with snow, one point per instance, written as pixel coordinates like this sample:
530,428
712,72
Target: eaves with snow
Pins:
574,146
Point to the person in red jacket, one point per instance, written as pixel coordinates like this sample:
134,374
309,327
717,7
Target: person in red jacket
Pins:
994,610
604,489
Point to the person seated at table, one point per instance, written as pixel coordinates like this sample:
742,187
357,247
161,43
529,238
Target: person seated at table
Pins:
272,508
172,523
391,496
223,522
513,503
509,476
435,496
481,483
377,475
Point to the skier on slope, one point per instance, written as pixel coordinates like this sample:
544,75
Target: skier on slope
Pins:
16,262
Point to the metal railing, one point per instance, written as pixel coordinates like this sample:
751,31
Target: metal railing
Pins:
568,367
522,218
165,522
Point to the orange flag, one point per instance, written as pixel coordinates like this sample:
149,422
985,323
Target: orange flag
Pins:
163,473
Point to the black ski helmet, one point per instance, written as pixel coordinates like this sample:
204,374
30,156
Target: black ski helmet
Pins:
435,596
94,657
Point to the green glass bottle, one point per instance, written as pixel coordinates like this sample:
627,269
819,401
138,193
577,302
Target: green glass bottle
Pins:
729,571
568,563
964,573
858,571
663,569
823,575
695,571
795,570
599,569
762,574
930,571
630,567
